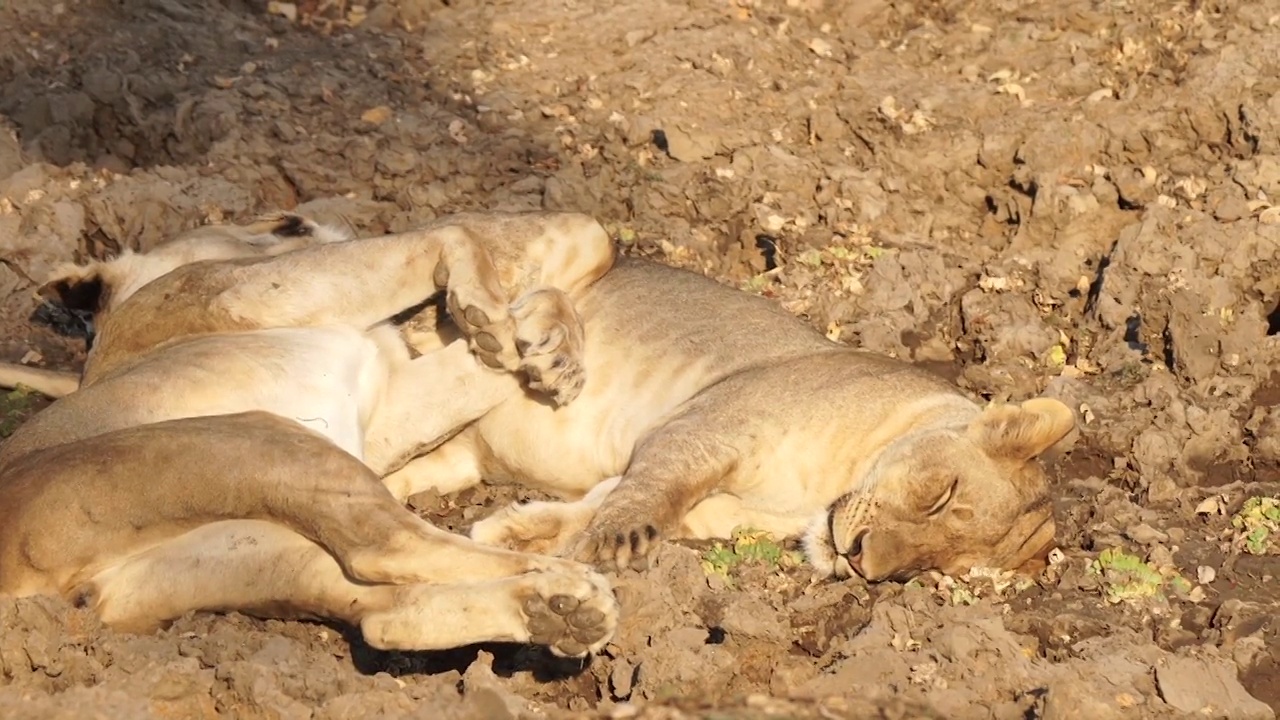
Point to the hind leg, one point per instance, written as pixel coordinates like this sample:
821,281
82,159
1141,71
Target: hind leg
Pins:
335,499
264,569
364,282
267,468
481,260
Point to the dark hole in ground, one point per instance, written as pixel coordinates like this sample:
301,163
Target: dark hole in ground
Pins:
1273,320
1132,336
1095,287
768,247
660,140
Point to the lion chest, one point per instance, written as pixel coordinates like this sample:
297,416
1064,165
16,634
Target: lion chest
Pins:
798,471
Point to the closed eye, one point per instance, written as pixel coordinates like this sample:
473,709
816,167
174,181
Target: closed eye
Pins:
941,503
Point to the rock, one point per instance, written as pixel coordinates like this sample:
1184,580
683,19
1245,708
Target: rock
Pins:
622,678
1229,207
11,160
485,692
690,146
383,16
1144,534
827,126
751,617
1073,697
1135,188
1208,688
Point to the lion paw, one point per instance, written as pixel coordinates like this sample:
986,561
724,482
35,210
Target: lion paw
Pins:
490,333
557,375
542,528
616,545
572,613
549,337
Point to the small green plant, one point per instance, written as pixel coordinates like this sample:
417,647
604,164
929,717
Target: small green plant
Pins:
843,254
15,407
1127,577
1132,373
961,595
812,258
1256,525
747,546
757,283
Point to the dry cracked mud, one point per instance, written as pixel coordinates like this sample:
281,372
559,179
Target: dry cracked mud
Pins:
1073,198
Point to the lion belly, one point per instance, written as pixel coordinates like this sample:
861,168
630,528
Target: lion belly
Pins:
567,451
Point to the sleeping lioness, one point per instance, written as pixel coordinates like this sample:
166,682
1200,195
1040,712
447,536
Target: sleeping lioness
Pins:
242,397
706,408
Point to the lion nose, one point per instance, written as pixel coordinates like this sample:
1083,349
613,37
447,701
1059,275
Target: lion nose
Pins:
849,561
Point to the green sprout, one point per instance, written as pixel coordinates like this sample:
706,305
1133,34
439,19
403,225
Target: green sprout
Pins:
842,253
747,546
1256,525
1127,577
15,407
757,283
812,258
961,595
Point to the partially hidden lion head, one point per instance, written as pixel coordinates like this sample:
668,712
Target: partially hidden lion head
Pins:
100,286
948,499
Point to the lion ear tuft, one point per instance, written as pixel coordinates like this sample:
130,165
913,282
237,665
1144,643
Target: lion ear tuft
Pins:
280,227
291,225
1022,432
77,287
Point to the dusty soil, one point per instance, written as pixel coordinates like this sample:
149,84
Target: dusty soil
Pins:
1070,197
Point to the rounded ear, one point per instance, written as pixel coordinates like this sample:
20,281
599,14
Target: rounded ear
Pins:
1022,432
76,287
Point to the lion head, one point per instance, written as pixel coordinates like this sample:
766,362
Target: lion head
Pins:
948,499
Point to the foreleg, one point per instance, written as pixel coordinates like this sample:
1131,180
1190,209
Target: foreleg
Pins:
429,399
549,527
672,470
453,466
435,395
265,569
545,527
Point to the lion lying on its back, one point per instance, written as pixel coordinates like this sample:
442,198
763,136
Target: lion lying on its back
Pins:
244,394
706,408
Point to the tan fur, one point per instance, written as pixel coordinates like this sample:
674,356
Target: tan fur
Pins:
212,457
712,409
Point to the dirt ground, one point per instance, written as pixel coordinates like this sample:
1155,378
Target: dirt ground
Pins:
1067,197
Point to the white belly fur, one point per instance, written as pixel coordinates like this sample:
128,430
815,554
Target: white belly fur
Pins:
328,379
